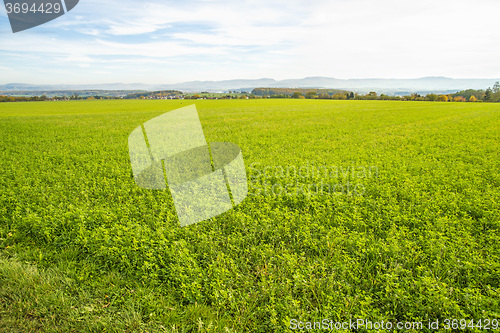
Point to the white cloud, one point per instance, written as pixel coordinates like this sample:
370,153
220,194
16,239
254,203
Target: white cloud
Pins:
222,39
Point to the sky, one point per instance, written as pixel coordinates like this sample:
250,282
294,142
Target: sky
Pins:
164,42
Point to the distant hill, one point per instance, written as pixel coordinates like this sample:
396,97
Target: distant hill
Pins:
76,87
386,86
68,93
291,91
155,94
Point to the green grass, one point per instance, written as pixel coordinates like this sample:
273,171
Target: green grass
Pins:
83,249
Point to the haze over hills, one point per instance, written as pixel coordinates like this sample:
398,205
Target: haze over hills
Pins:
387,86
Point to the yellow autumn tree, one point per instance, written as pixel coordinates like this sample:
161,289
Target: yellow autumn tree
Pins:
473,99
443,98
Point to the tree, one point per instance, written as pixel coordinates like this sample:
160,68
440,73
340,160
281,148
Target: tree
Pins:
496,92
487,95
496,87
432,97
458,99
473,99
443,98
311,94
351,95
470,92
338,96
297,95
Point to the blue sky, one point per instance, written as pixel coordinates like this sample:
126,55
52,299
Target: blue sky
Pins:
176,41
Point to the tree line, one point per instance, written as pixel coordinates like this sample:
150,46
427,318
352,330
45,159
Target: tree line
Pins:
295,92
44,98
162,94
491,94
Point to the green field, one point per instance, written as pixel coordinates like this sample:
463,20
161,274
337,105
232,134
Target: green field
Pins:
82,248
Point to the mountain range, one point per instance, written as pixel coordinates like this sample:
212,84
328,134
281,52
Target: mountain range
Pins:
388,86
